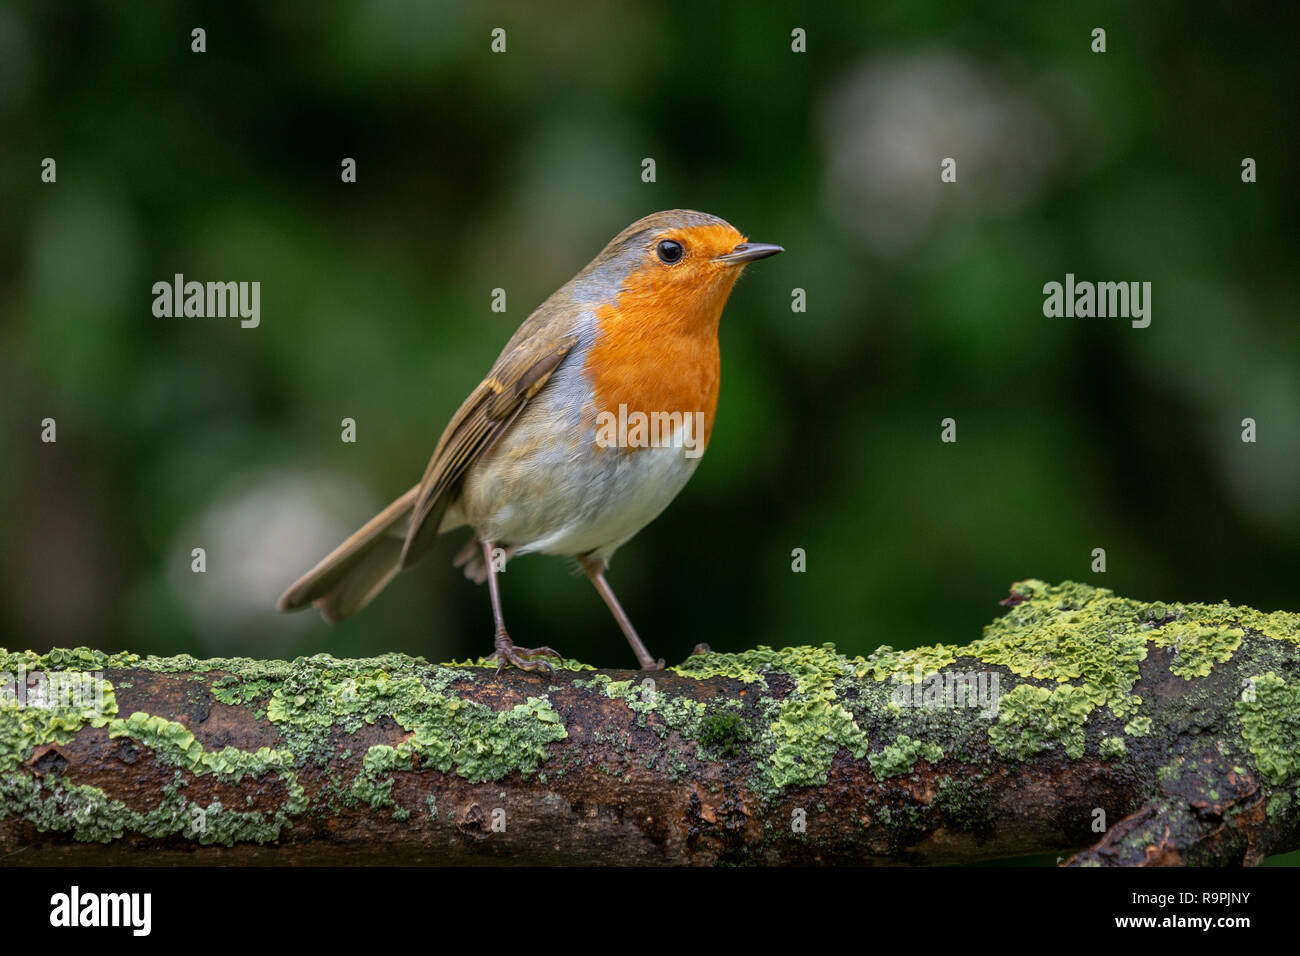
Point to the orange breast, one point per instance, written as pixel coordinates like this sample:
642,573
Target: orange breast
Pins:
656,348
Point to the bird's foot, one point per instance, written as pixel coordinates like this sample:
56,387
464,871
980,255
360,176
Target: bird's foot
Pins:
522,657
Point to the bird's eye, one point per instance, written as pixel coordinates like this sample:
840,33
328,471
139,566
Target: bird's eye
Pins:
670,252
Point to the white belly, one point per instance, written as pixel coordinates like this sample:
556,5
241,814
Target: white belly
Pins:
571,496
634,489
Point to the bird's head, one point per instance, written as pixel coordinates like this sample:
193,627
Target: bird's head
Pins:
676,262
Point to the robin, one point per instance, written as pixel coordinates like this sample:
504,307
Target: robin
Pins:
590,422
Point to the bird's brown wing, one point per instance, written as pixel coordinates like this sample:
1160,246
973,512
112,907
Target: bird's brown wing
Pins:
478,424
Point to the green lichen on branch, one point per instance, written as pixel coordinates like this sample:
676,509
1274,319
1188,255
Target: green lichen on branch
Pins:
797,735
317,695
1066,661
901,756
90,815
1270,724
1113,747
174,745
1033,720
724,732
49,709
86,811
1077,647
306,699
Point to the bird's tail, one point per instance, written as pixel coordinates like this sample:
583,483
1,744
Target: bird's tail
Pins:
357,570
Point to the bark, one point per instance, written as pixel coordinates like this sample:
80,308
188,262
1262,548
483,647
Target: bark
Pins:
1125,733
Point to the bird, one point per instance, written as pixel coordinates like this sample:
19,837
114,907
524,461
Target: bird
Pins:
556,450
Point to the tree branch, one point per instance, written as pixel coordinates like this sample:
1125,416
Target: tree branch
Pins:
1134,733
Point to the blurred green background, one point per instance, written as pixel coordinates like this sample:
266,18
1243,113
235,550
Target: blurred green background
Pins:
477,171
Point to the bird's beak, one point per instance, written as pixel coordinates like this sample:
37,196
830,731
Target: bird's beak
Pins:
748,252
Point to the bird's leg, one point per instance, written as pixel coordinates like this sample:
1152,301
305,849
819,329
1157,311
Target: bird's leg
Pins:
521,657
596,571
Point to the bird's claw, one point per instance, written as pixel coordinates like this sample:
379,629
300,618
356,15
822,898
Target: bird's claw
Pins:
522,657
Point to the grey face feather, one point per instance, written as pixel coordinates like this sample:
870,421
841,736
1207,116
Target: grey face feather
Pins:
595,285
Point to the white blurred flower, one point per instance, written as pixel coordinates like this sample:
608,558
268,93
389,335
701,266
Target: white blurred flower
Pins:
259,534
889,125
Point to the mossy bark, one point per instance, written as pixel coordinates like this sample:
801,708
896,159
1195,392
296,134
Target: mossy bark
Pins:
1124,732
